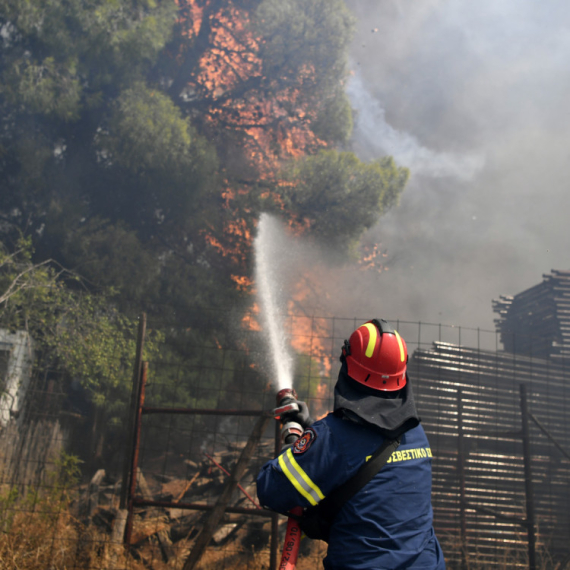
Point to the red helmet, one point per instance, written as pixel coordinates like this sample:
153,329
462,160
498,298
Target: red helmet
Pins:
376,356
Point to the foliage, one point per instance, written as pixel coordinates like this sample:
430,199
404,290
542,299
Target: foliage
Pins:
140,140
8,499
66,474
39,530
77,49
333,122
164,126
338,196
149,141
17,272
300,36
79,333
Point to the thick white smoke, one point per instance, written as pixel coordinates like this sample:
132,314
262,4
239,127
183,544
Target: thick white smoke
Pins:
440,85
377,137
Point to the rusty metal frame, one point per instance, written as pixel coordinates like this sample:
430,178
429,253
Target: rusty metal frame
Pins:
129,500
135,399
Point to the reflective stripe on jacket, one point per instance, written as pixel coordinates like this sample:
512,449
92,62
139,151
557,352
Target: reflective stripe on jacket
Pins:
388,523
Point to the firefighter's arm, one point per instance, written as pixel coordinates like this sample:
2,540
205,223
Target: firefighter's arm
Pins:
303,474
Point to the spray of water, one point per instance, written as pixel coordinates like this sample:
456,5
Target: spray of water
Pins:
268,252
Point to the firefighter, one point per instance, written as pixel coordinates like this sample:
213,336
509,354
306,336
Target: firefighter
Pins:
388,523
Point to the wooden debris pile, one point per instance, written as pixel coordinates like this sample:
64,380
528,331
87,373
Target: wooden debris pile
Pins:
171,530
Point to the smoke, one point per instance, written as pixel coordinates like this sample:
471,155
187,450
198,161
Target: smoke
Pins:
473,97
377,137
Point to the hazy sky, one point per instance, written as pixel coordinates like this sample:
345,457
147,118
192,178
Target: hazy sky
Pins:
474,97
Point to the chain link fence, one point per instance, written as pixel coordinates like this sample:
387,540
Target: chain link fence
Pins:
65,502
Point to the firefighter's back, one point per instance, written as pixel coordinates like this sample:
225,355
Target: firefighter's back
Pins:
389,523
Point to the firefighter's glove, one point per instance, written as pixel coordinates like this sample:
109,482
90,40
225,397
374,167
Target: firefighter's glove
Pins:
302,417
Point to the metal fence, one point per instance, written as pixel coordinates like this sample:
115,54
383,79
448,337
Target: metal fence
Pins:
147,504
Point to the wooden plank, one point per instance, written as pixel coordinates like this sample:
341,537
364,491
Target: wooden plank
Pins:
217,512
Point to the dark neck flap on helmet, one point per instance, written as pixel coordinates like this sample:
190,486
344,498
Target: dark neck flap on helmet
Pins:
393,413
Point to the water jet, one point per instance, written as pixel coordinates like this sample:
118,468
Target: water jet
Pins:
272,304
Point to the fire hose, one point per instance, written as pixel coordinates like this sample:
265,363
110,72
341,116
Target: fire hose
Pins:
292,542
290,431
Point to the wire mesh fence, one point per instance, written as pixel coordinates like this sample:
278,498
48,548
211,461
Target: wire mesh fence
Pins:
60,513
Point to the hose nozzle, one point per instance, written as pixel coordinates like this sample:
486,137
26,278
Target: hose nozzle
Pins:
287,404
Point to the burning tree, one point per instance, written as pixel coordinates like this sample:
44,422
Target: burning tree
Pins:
265,82
169,126
141,139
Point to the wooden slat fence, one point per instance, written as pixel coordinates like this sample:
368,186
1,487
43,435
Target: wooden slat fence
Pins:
494,491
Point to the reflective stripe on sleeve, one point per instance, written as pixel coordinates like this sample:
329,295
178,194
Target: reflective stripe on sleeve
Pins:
299,479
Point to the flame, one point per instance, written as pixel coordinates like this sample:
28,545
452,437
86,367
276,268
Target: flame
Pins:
322,398
228,86
372,258
308,336
229,79
242,282
228,83
189,17
249,320
237,241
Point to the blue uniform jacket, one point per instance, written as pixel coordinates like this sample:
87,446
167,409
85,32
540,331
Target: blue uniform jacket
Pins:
387,524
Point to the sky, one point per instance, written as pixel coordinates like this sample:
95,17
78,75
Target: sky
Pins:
473,97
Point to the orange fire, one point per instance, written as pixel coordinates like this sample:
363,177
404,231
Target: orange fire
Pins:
237,241
373,258
250,319
269,121
308,336
229,78
242,282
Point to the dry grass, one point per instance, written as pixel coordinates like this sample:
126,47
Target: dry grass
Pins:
43,535
38,532
48,537
60,544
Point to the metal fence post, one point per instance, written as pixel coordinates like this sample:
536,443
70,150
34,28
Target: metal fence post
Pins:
132,410
461,479
530,518
135,454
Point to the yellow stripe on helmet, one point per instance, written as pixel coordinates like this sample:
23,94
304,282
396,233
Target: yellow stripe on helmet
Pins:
373,335
401,345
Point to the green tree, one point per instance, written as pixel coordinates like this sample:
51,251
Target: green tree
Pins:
338,196
91,150
141,139
80,335
139,142
62,65
265,81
